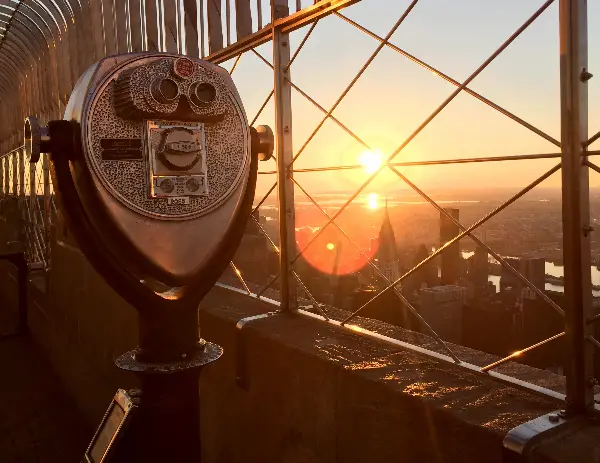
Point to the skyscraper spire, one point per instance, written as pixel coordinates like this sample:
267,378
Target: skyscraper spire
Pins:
387,238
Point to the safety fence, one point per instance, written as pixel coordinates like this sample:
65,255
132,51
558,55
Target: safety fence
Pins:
257,52
31,184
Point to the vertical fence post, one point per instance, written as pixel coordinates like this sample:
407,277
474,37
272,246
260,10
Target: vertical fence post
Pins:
15,173
21,192
47,212
575,203
31,215
2,190
6,175
283,142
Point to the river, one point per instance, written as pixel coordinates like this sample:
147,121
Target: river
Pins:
551,269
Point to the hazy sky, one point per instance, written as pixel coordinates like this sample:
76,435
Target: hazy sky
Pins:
395,95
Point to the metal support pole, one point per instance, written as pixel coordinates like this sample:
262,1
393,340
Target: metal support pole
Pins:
15,177
283,137
6,176
30,237
47,210
21,191
168,363
2,190
575,203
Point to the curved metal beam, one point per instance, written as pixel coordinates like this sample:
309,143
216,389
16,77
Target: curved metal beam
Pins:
47,10
41,18
15,33
60,12
39,30
6,45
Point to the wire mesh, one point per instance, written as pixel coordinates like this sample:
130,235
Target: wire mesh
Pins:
249,38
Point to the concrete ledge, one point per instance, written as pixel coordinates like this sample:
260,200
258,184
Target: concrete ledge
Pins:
318,393
313,392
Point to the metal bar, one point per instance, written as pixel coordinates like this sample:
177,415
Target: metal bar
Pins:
575,200
496,256
520,352
31,208
21,182
592,139
287,24
432,354
321,108
262,109
452,81
355,79
265,197
228,21
591,165
285,187
47,209
266,300
122,31
235,63
429,119
404,301
259,13
192,31
151,20
201,28
296,276
477,224
593,340
243,18
519,157
239,276
15,177
215,29
160,25
137,25
301,45
312,13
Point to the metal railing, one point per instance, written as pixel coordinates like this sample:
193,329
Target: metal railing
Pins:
55,53
31,184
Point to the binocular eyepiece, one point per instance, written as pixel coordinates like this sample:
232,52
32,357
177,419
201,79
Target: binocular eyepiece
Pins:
154,166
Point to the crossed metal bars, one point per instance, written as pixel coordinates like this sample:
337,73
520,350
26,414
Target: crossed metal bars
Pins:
30,183
39,25
45,45
565,10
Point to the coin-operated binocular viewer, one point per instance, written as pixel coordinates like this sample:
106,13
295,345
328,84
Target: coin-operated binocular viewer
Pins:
154,167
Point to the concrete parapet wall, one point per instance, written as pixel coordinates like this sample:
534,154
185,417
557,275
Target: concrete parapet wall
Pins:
289,388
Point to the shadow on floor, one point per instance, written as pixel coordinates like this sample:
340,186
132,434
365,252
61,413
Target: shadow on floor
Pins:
38,421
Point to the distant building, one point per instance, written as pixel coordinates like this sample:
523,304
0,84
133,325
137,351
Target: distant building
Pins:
442,308
423,277
490,324
451,260
477,268
532,269
387,308
386,257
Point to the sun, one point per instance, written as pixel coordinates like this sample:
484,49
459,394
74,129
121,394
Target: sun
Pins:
330,246
371,160
373,201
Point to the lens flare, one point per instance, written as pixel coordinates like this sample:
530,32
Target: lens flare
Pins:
371,160
373,201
